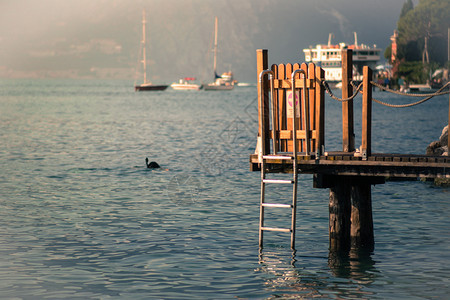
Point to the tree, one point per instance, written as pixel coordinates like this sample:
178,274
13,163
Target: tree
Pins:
422,36
407,6
428,20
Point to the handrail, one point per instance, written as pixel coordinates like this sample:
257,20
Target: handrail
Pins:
261,120
305,109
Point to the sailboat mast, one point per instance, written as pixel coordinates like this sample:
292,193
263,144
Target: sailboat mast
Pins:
215,45
144,59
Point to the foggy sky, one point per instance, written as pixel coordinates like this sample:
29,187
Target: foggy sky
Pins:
101,38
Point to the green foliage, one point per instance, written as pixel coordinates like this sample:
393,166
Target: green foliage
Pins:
413,71
387,53
416,71
429,19
407,6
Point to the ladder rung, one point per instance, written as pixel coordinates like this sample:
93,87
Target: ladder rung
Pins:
283,157
277,205
277,181
276,229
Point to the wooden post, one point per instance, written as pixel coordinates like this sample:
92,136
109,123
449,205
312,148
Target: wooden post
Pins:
367,113
448,128
320,111
361,231
339,209
261,65
348,135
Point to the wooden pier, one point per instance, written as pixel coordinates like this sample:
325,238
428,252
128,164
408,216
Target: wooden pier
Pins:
348,173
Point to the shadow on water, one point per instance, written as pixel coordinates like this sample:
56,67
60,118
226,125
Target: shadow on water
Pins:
290,276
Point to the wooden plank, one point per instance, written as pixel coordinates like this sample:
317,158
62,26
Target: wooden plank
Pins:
348,142
287,75
301,134
286,83
281,73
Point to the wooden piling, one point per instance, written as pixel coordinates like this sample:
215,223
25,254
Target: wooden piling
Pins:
339,211
361,230
340,187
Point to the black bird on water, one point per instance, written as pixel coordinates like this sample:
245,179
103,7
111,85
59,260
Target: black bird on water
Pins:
152,164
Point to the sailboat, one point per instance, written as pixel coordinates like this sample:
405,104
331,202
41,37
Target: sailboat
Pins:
225,81
146,85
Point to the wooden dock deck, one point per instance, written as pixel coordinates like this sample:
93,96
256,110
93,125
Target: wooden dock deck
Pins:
376,165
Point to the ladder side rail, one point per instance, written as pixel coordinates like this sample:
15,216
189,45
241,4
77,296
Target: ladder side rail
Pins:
262,150
274,104
261,206
294,152
306,115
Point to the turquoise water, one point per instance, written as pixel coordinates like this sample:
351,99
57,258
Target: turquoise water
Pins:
81,217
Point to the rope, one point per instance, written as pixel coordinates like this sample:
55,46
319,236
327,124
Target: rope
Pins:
327,87
438,93
428,96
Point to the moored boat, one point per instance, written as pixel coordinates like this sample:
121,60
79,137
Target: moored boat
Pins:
149,87
146,85
225,81
186,84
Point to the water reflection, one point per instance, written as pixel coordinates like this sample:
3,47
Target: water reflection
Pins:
355,264
290,276
285,279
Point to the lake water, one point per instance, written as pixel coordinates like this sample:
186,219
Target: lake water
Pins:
81,216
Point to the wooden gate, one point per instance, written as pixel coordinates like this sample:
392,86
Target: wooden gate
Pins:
275,105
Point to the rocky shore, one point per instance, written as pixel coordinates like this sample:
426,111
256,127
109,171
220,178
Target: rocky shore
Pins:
440,147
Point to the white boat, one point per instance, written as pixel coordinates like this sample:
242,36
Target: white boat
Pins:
146,85
425,88
329,58
224,81
186,84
